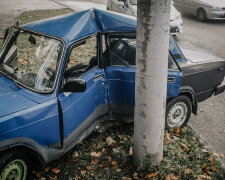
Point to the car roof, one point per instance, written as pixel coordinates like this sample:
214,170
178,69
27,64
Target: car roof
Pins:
78,25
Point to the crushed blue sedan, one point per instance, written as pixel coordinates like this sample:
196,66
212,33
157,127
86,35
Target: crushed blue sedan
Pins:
61,77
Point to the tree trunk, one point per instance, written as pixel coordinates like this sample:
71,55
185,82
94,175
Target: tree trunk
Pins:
153,18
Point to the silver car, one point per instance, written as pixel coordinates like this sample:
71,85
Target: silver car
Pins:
203,9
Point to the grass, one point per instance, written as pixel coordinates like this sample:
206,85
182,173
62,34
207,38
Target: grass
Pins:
109,155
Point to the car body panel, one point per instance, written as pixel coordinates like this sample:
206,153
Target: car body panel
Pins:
53,123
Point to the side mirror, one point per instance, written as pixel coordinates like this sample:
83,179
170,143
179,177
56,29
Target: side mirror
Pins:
6,34
74,85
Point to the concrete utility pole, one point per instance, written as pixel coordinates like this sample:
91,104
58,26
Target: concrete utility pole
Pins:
153,18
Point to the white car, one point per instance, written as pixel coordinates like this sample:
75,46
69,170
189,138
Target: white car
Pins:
129,7
202,9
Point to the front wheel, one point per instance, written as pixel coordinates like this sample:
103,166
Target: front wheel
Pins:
13,166
201,15
178,111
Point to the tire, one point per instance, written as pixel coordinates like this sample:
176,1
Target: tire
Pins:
14,165
178,112
201,15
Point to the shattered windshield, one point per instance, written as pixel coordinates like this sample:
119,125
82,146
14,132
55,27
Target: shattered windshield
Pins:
133,2
30,59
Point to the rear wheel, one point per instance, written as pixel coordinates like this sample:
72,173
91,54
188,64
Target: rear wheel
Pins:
178,111
14,165
201,15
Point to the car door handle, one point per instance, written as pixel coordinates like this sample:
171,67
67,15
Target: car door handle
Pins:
171,79
98,77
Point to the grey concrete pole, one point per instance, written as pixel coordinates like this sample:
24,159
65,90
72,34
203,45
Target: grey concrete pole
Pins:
153,18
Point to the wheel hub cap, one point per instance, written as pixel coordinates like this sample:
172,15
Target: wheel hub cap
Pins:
177,114
15,170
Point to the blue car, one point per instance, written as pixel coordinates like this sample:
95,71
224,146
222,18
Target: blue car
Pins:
61,77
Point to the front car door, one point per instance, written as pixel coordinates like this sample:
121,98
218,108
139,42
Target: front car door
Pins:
81,110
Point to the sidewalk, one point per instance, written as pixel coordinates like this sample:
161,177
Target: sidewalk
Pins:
11,9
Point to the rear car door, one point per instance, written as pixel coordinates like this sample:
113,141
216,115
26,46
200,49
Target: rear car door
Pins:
80,110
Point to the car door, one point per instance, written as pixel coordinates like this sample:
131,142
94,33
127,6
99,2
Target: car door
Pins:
121,76
80,110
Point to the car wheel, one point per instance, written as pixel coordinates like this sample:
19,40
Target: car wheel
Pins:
178,111
201,15
14,165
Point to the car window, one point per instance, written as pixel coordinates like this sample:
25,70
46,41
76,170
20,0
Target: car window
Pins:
31,59
82,58
122,51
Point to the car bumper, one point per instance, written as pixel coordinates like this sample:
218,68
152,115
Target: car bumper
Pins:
216,14
220,88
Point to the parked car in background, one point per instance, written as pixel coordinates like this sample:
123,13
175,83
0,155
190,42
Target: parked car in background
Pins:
202,9
129,7
58,82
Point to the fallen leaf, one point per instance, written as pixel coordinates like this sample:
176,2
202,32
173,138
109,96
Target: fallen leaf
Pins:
53,178
215,169
218,155
178,131
42,178
83,173
171,177
109,158
131,151
203,177
186,149
208,171
39,174
47,169
103,165
114,163
126,178
204,150
110,141
168,136
55,170
89,167
211,158
75,154
188,170
203,166
212,163
118,170
96,155
94,161
152,175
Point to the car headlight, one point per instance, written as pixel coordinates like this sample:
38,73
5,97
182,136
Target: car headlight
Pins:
217,8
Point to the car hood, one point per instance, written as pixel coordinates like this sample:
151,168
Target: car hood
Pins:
214,3
199,57
11,101
173,13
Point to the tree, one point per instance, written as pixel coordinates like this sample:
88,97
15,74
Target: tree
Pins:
153,18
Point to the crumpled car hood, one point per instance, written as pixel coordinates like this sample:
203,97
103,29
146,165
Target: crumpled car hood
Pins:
11,102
